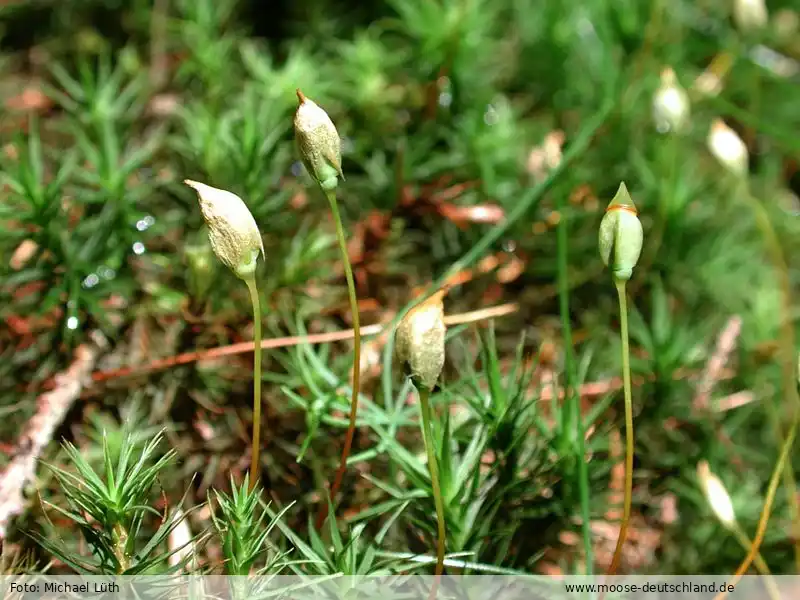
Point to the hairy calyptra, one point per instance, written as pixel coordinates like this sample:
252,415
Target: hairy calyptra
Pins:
728,148
232,230
670,104
236,241
318,143
420,340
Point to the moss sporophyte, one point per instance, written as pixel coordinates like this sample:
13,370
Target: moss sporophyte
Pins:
320,149
318,143
671,104
620,244
420,344
621,235
236,241
420,341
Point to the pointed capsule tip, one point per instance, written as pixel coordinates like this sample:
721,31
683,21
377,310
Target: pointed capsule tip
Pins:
622,199
438,296
300,96
668,76
718,124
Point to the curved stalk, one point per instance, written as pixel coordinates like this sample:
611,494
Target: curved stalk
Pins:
765,511
760,563
626,379
255,463
787,345
427,435
351,290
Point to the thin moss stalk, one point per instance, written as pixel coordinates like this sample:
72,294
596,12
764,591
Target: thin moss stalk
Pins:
787,344
427,434
236,241
626,383
319,146
761,530
351,290
620,242
255,451
420,345
758,561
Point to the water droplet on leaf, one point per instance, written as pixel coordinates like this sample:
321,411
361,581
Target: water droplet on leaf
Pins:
490,117
145,223
91,280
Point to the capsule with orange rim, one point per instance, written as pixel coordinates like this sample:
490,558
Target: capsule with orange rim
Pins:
621,235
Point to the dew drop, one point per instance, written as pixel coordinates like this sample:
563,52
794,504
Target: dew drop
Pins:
586,28
490,117
145,223
91,280
297,168
72,323
509,246
107,273
445,99
138,248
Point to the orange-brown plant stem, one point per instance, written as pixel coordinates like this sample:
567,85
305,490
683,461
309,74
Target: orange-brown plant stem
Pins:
351,428
626,378
430,448
255,450
186,358
765,511
787,345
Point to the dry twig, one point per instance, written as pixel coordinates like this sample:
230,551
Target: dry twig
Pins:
52,406
726,343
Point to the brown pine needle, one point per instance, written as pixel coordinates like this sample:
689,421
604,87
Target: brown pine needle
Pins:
284,342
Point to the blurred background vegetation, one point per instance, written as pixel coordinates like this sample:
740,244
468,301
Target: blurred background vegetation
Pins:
453,115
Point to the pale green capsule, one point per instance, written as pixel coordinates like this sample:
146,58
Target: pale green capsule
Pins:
621,236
